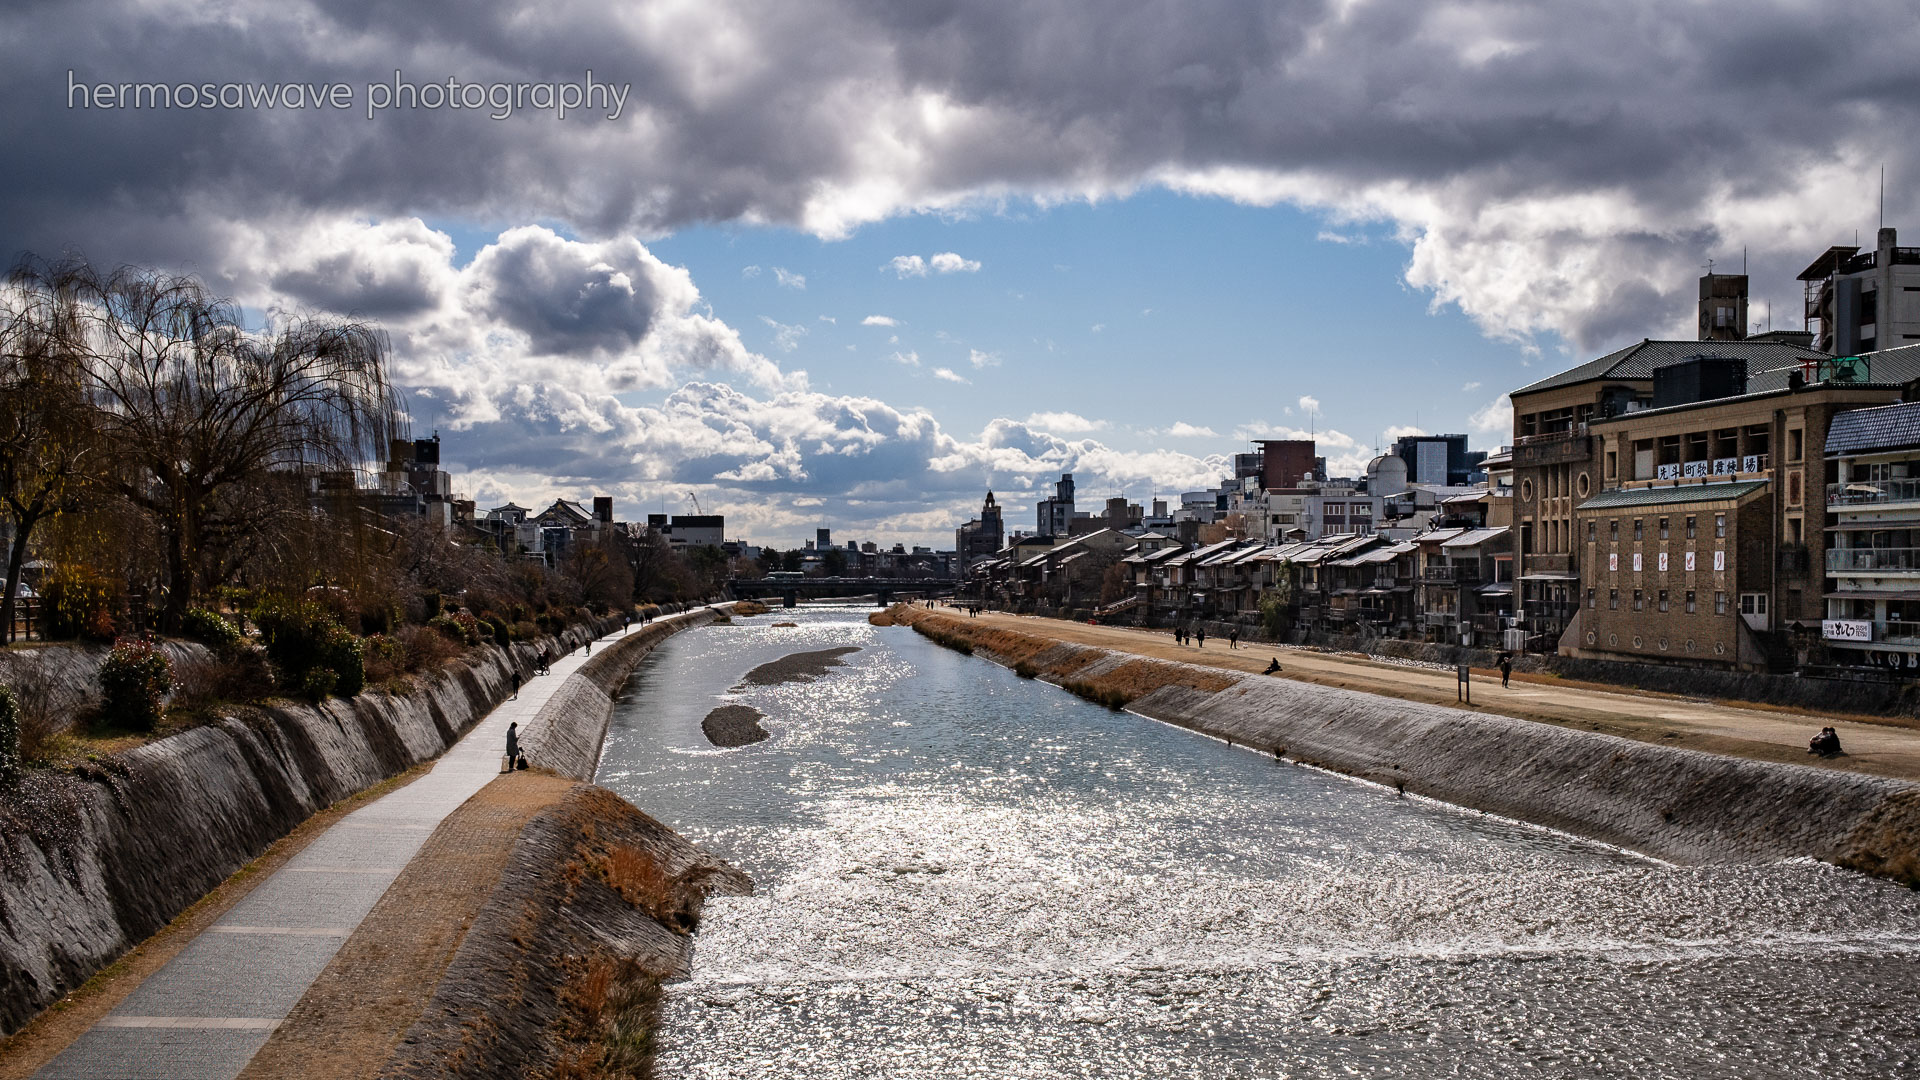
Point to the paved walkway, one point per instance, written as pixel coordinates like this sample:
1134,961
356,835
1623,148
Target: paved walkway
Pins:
211,1008
1889,748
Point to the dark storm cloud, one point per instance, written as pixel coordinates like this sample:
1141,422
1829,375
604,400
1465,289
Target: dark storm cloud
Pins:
1553,168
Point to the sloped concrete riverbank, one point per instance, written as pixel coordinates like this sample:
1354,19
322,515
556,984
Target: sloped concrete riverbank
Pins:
92,864
1677,804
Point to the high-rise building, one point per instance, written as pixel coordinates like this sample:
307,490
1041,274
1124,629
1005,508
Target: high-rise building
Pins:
1054,517
1285,462
1439,459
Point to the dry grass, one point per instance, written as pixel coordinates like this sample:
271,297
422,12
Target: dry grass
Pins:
750,607
612,1006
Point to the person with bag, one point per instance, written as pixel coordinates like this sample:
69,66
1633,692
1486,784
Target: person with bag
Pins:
512,760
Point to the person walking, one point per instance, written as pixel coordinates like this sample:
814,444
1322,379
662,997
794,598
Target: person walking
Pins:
1233,637
513,745
516,684
1506,669
1200,637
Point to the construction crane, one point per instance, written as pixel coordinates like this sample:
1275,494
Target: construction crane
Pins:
695,500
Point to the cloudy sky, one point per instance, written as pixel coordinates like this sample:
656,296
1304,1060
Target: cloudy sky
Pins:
852,261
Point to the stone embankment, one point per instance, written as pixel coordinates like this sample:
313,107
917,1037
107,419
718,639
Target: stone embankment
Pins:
94,862
1683,805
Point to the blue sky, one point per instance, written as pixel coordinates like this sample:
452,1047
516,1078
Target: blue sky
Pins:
1209,312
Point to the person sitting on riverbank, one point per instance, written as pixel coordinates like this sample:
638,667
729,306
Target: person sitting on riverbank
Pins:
1273,667
1825,744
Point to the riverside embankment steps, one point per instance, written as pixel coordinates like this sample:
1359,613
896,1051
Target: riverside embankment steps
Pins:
206,1012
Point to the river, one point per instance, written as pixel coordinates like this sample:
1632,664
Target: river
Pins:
964,873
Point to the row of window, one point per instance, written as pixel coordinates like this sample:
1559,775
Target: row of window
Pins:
1689,561
1661,601
1639,528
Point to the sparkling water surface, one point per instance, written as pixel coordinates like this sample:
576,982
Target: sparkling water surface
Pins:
964,873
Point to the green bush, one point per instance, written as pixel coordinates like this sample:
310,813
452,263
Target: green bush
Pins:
300,636
9,736
465,633
133,680
210,629
319,684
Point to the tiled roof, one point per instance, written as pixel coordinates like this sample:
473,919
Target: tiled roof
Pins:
1667,496
1476,537
1640,360
1885,427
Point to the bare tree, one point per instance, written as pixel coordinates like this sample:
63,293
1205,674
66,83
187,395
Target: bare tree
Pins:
198,408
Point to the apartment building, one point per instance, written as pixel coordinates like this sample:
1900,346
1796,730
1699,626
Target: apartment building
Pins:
1873,552
1672,413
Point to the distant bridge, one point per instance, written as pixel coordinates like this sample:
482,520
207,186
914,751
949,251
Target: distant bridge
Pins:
791,590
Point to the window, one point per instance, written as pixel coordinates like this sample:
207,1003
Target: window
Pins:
1719,603
1793,531
1639,600
1663,528
1613,464
1613,530
1613,599
1690,608
1663,599
1753,603
1591,527
1720,526
1582,485
1690,530
1794,440
1526,490
1637,532
1589,597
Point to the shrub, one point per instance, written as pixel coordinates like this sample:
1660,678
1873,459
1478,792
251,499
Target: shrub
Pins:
462,628
469,627
319,684
502,636
524,630
426,648
209,629
1026,670
301,635
9,736
385,658
133,680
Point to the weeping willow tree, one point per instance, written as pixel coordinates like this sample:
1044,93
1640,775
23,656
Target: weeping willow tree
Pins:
49,445
213,427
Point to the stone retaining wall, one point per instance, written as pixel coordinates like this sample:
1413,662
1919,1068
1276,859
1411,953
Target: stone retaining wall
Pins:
567,733
94,862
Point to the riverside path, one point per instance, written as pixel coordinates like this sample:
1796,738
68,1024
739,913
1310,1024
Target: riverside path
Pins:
1884,746
210,1009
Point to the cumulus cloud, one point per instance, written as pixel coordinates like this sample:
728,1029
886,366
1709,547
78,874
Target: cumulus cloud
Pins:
949,375
1065,422
879,320
949,263
982,359
1308,403
907,266
1552,169
788,279
1183,430
1494,419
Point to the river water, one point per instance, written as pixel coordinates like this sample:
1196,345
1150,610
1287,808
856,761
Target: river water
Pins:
963,873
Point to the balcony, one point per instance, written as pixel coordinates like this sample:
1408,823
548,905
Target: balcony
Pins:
1553,448
1873,492
1873,560
1450,574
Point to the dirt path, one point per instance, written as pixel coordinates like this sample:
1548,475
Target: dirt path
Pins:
351,1018
1886,747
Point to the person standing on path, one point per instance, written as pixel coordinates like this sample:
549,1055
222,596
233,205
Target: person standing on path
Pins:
1233,637
1200,637
513,744
1506,669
